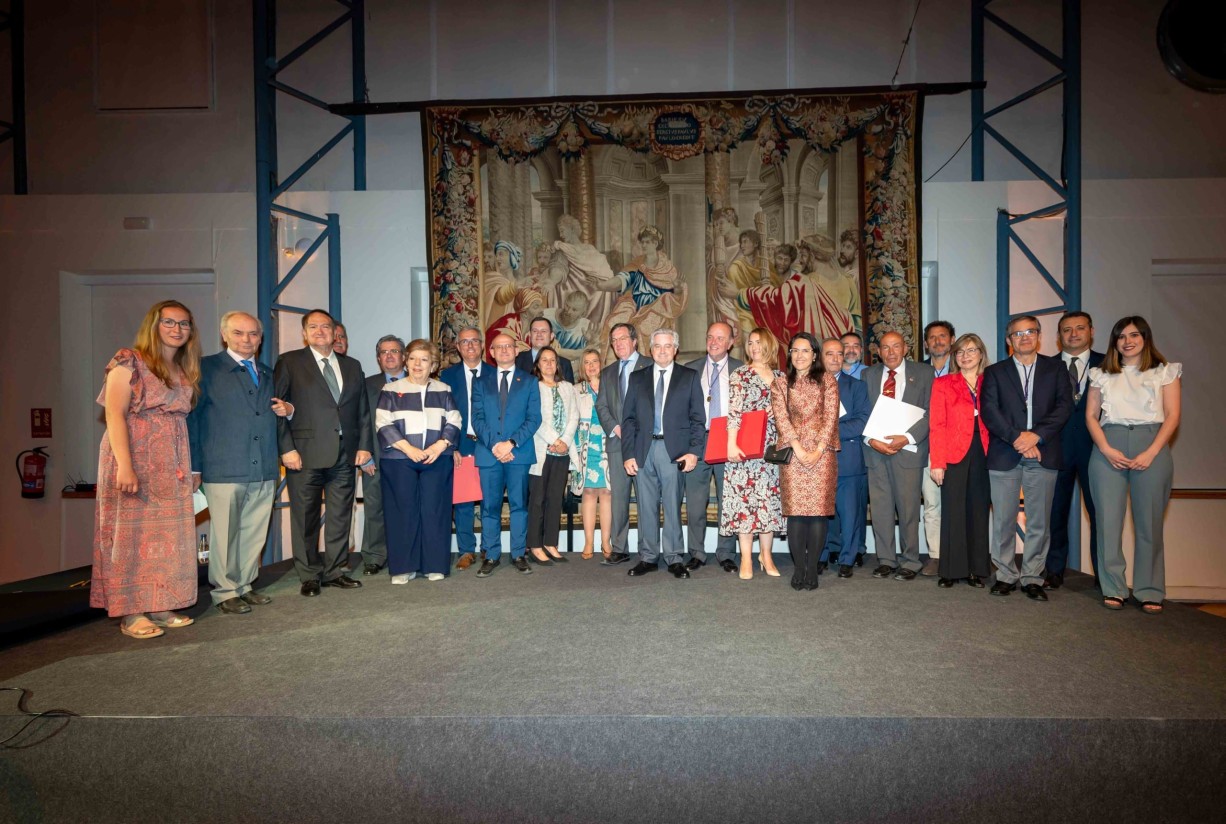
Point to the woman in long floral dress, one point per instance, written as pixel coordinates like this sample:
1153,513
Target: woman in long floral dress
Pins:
144,553
751,504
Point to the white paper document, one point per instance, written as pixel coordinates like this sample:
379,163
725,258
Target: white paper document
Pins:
891,416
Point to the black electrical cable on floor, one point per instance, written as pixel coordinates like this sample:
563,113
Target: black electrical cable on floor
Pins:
34,716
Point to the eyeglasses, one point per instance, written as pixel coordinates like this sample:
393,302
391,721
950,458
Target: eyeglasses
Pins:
800,351
969,350
1024,333
171,323
469,342
383,352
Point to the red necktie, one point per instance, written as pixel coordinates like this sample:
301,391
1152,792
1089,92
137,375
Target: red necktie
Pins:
890,385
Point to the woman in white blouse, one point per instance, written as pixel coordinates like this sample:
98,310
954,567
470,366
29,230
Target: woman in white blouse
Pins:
1137,393
555,451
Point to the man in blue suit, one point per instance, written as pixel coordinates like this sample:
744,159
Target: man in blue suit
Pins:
233,435
1076,338
506,412
461,377
663,430
846,534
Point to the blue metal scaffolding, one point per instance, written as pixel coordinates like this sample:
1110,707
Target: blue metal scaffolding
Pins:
12,23
1066,188
270,185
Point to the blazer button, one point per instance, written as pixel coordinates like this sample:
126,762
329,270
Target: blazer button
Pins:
250,391
257,437
253,463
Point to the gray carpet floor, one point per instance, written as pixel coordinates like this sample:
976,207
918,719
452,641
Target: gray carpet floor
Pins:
581,639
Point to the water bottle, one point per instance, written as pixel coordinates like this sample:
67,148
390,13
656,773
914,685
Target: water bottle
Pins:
202,549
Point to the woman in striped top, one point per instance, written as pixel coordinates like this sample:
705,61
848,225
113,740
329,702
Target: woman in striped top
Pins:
418,425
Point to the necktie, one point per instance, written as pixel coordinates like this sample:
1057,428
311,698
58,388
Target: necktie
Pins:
255,377
659,427
1074,377
713,398
890,385
622,379
504,389
330,379
470,403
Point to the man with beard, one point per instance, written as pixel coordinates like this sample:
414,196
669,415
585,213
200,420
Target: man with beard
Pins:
853,354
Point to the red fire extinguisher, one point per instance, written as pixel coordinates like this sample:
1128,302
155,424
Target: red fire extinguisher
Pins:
33,472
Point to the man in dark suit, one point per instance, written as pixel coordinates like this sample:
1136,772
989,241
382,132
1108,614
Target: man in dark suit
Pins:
662,434
460,377
895,466
1076,338
506,412
610,404
329,433
233,435
846,534
540,335
714,370
389,354
1027,399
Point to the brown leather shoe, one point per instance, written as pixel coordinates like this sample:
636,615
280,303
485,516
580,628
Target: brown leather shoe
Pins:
466,560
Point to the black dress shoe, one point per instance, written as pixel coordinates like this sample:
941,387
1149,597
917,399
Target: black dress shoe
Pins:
310,588
844,570
944,583
694,563
1053,581
678,570
810,587
641,568
615,558
975,581
1001,588
487,568
234,606
343,582
256,599
521,565
905,575
371,569
821,567
727,565
798,584
883,571
859,559
1034,592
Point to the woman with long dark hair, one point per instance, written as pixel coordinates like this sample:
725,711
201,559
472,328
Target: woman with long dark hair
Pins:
144,553
805,403
555,454
1137,393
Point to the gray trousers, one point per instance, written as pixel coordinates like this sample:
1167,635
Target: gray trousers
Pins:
697,494
659,484
894,492
374,531
619,490
1149,490
931,494
1038,485
240,515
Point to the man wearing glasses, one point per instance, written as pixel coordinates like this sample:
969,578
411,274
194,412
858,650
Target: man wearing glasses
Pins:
1027,399
461,377
389,353
610,403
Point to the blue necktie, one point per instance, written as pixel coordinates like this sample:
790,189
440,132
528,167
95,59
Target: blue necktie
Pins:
255,376
622,379
504,390
659,430
714,410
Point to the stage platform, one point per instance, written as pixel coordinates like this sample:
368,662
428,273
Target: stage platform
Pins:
579,694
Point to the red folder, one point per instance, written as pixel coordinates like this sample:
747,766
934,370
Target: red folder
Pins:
466,486
751,437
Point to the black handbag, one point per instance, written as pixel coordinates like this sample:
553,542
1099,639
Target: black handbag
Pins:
778,456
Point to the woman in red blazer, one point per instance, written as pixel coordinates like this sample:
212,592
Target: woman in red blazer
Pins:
959,466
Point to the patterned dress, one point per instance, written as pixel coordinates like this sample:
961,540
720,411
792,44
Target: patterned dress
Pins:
751,488
590,439
809,413
144,552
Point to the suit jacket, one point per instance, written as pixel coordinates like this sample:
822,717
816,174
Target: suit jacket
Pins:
454,376
917,392
853,394
685,414
610,405
374,385
954,422
519,423
1075,439
323,430
232,429
699,365
525,362
1003,408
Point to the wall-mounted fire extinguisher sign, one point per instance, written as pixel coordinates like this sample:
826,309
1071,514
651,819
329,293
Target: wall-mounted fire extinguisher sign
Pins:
33,472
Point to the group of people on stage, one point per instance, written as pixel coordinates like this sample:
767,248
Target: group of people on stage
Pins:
984,434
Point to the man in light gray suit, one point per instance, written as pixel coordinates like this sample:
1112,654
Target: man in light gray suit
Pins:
233,436
896,465
714,369
613,381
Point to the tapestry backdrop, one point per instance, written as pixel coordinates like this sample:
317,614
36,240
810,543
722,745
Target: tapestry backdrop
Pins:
796,212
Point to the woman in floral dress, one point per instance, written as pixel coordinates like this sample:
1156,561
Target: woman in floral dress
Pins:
144,553
593,480
751,504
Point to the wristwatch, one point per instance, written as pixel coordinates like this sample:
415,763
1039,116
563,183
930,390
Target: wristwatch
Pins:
511,441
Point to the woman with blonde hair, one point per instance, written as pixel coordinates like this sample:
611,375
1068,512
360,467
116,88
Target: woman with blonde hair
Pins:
590,477
144,552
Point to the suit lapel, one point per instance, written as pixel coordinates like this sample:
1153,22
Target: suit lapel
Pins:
1015,380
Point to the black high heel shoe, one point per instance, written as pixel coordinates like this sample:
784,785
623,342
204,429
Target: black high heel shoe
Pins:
532,557
557,559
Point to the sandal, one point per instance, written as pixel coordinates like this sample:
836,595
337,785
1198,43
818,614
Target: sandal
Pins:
140,629
587,553
1151,607
1112,602
174,622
